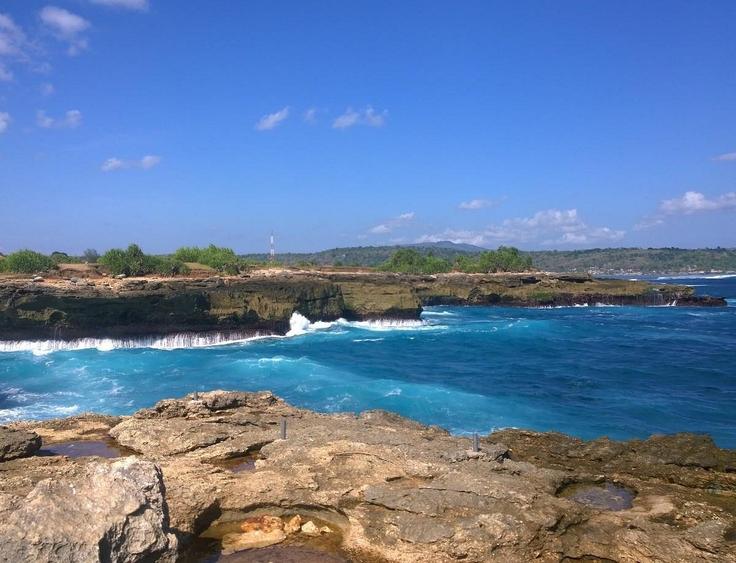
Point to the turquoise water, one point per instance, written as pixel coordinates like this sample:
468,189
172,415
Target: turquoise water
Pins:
589,371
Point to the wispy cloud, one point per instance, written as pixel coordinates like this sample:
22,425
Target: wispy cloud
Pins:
548,227
310,115
145,163
272,120
4,122
14,46
66,26
392,224
729,156
71,120
367,116
474,204
47,89
140,5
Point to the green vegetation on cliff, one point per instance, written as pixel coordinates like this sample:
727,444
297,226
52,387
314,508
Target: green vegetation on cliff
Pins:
411,261
133,262
505,259
26,262
220,258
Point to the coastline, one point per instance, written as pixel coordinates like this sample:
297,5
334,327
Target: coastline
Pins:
388,488
263,302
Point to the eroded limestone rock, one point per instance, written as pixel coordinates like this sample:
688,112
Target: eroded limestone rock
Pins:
108,512
17,443
390,489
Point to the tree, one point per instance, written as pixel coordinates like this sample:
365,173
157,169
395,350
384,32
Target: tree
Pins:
91,256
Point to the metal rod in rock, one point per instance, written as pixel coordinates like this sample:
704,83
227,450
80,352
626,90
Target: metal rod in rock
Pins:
283,428
476,442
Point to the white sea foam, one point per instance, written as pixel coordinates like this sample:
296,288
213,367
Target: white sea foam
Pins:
438,314
169,342
698,277
298,325
36,411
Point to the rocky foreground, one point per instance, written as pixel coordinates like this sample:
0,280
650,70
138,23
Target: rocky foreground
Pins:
264,301
209,475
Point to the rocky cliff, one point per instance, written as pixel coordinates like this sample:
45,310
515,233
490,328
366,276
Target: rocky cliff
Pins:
265,301
368,488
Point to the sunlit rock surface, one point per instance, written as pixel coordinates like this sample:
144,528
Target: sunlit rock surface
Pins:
390,489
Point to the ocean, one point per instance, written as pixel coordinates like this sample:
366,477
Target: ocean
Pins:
621,372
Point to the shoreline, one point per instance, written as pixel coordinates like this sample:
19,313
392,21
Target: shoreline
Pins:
388,488
264,302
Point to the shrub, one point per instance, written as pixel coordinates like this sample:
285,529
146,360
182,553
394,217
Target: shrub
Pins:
409,261
217,257
505,259
26,262
61,258
168,266
133,262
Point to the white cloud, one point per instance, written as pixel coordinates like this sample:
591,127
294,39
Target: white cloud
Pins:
367,116
71,120
552,226
388,226
14,46
696,202
729,156
112,164
146,163
4,121
477,204
67,27
149,161
268,122
140,5
47,89
310,116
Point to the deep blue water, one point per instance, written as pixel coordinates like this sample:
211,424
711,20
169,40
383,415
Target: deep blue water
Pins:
589,371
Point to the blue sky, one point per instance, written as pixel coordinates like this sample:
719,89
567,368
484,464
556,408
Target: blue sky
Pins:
542,124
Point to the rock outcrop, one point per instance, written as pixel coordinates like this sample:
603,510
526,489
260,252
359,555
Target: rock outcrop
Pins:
378,487
264,302
17,443
96,513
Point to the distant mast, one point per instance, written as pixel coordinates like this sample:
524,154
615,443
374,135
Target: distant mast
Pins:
272,253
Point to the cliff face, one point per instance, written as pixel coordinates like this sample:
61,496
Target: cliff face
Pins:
116,308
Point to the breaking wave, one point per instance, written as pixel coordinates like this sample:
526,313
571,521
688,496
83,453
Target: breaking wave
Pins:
698,277
168,342
302,325
298,324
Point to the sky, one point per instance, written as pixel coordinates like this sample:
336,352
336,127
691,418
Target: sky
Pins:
541,124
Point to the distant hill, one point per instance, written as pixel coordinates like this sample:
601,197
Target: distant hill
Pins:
369,255
644,260
597,260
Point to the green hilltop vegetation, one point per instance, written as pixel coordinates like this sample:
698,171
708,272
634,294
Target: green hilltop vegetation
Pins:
644,260
418,259
598,260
